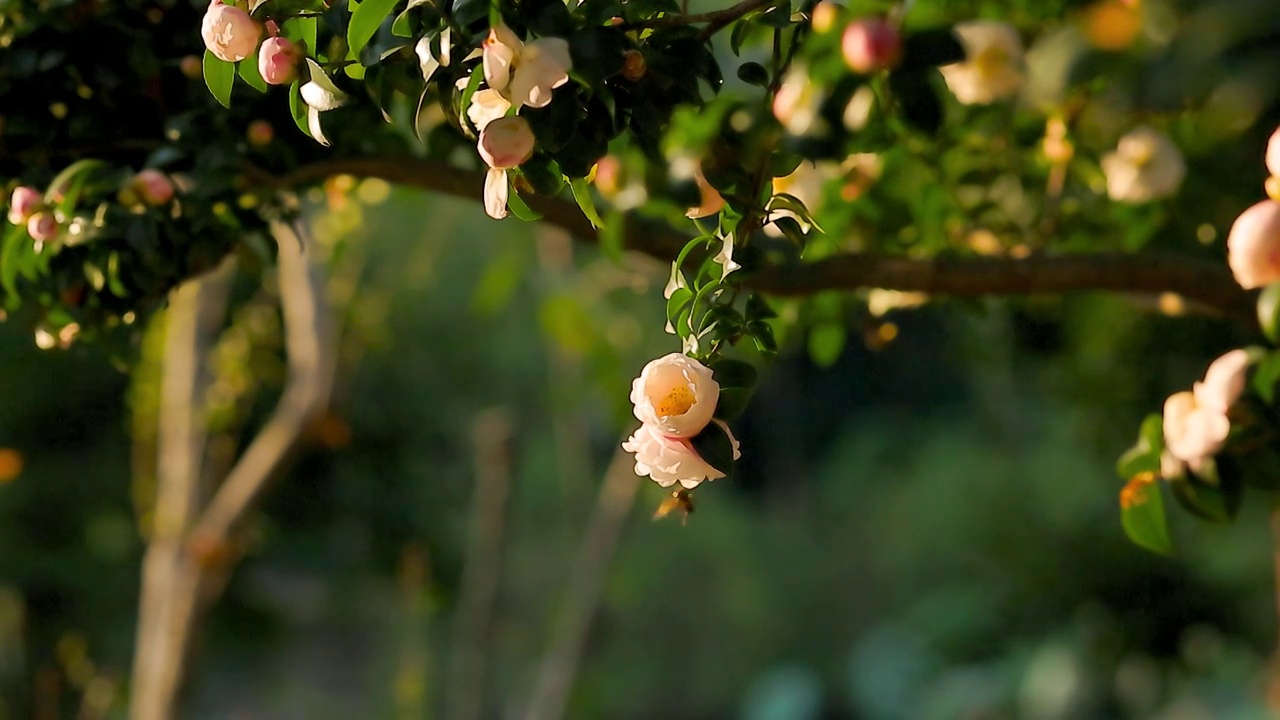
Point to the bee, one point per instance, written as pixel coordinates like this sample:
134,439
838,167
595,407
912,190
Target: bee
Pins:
680,499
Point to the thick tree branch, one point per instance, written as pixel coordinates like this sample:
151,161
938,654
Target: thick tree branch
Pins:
1201,282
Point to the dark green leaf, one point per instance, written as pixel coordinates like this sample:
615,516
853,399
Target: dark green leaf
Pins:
219,76
1269,311
714,446
777,17
365,20
913,88
758,308
1143,516
732,403
930,48
543,174
1144,456
520,209
730,373
753,73
1214,494
762,334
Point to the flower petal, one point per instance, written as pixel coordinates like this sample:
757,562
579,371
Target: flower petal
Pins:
495,193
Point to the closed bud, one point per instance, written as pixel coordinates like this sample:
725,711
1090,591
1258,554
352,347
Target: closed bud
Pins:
871,45
153,187
260,133
23,204
633,65
506,142
42,227
278,61
229,33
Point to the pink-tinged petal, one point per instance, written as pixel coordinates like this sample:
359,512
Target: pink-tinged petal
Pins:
495,193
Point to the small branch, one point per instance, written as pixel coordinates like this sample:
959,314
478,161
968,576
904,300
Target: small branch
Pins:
1207,284
310,333
717,19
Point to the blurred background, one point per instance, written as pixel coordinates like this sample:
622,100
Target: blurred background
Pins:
924,523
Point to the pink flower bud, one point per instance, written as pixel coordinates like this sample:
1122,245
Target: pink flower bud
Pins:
871,45
278,61
153,187
506,142
24,202
42,227
1253,245
229,33
1273,153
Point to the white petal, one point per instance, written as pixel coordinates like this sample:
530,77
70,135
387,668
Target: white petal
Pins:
486,106
495,193
426,61
313,122
320,93
675,283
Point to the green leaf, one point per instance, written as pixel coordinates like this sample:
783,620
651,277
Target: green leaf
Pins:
10,255
826,342
220,76
1266,375
916,95
762,334
520,209
679,306
365,20
758,308
1142,514
248,71
1269,311
68,182
302,30
1213,494
939,46
613,234
733,402
730,373
714,446
298,108
582,195
753,73
1144,456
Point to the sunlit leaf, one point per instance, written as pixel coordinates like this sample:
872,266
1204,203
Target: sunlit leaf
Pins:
1143,516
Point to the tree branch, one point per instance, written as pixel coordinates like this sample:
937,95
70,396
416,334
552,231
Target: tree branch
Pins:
718,19
310,333
1205,283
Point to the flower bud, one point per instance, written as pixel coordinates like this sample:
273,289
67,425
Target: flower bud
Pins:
1253,245
260,133
23,204
506,142
192,67
633,65
825,15
42,227
278,61
153,187
871,45
1273,154
229,33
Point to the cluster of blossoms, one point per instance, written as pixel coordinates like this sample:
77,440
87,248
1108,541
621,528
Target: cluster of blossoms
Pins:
516,74
232,35
1253,245
1197,421
44,220
675,400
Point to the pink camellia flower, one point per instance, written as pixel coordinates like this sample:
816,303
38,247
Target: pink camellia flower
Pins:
504,144
153,187
278,61
23,204
871,45
992,68
42,227
671,460
1253,245
525,73
229,33
676,394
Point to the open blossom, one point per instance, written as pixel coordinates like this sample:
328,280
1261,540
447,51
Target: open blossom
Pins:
798,102
504,144
871,45
671,460
992,68
675,394
278,61
525,73
23,204
229,32
1253,245
1145,166
1196,422
486,105
42,226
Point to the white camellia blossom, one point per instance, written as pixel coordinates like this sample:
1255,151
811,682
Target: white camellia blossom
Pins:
320,95
228,32
1253,245
1145,166
504,144
725,258
675,394
1196,422
669,460
525,73
798,102
992,68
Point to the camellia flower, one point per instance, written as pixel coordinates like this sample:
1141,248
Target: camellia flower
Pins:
871,45
320,95
525,73
504,144
278,61
23,204
670,460
1145,166
229,33
992,68
486,106
1273,154
675,394
1253,245
153,187
798,102
1196,423
42,226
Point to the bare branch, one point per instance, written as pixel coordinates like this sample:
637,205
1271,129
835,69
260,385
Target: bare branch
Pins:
1206,283
310,337
717,19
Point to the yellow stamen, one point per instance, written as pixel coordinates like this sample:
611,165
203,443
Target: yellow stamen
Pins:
677,401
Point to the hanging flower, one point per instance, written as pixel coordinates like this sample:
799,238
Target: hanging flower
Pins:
1253,245
992,68
504,144
229,33
676,394
23,204
1196,422
525,73
669,460
278,61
